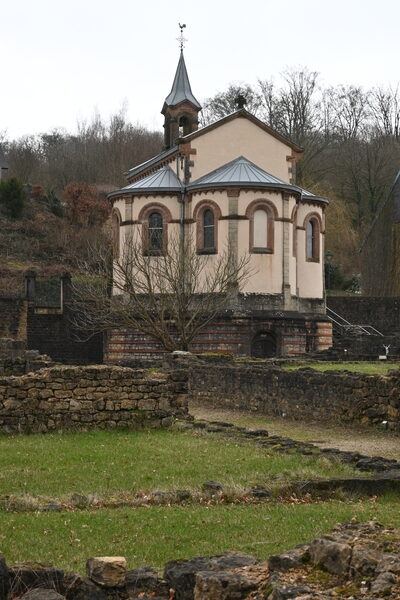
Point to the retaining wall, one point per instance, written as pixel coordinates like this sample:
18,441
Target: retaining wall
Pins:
83,398
330,397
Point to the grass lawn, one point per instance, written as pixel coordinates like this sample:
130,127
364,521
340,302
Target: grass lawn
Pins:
105,462
152,536
369,368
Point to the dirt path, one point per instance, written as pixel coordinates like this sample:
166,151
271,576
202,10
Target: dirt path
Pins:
367,441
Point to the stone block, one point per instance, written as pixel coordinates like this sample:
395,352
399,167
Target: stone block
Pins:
107,571
223,586
331,556
42,594
25,576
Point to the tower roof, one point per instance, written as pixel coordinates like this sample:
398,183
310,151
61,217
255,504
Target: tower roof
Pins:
181,89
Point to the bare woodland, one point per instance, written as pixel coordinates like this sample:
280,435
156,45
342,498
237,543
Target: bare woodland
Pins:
350,136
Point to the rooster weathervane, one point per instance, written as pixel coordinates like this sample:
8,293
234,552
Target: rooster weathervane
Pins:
181,39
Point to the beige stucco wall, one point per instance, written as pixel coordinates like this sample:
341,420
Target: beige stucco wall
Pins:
305,277
310,274
240,137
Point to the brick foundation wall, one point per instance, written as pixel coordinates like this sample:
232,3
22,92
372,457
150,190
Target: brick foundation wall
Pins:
83,398
231,335
306,395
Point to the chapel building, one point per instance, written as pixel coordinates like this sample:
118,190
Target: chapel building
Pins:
231,185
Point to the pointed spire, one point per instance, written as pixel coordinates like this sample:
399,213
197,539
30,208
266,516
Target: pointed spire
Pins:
181,89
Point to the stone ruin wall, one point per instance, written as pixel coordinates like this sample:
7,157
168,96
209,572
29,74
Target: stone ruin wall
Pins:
330,397
97,397
15,359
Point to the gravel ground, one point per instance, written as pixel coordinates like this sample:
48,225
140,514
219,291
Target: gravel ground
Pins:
366,441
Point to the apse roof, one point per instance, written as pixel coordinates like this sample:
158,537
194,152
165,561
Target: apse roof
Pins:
240,171
181,89
163,180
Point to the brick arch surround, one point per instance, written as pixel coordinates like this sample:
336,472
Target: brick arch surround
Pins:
198,213
143,219
272,214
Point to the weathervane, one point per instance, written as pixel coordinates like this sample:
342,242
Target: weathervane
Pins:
181,39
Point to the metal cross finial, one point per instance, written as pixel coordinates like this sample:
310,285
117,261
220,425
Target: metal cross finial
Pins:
240,100
181,39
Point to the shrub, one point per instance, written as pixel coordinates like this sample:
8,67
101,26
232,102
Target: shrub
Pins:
12,197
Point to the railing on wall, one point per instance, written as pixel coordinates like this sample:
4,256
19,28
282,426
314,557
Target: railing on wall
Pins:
345,327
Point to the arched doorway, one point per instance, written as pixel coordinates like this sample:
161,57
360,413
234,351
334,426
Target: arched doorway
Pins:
263,345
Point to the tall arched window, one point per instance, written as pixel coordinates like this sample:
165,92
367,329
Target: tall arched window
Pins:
208,230
155,233
310,239
116,224
261,215
207,214
313,229
154,219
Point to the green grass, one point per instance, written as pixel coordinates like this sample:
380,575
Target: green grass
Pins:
370,368
152,536
104,462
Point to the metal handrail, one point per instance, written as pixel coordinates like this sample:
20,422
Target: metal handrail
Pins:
341,322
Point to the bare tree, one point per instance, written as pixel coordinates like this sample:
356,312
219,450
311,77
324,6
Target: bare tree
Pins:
349,107
385,108
170,296
224,103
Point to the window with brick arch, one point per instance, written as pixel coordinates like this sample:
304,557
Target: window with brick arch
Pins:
312,240
208,230
155,233
260,235
261,215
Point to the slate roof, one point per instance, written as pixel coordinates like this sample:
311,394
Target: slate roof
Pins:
163,180
151,161
310,196
181,89
238,171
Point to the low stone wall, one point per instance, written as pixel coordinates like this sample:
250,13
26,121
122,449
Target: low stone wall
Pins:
82,398
332,396
15,359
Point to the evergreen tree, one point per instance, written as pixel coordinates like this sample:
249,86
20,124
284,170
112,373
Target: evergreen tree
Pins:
12,198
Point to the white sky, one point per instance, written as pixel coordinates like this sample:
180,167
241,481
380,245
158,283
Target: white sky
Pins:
62,60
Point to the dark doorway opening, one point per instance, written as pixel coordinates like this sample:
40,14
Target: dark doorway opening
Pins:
263,345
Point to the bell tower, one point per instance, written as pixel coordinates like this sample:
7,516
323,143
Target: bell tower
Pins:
180,108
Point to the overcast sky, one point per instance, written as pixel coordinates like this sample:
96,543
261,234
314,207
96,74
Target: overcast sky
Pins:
62,60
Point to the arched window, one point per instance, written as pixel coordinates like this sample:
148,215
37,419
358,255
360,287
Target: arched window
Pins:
261,215
154,219
208,230
294,231
155,233
206,214
116,224
313,230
